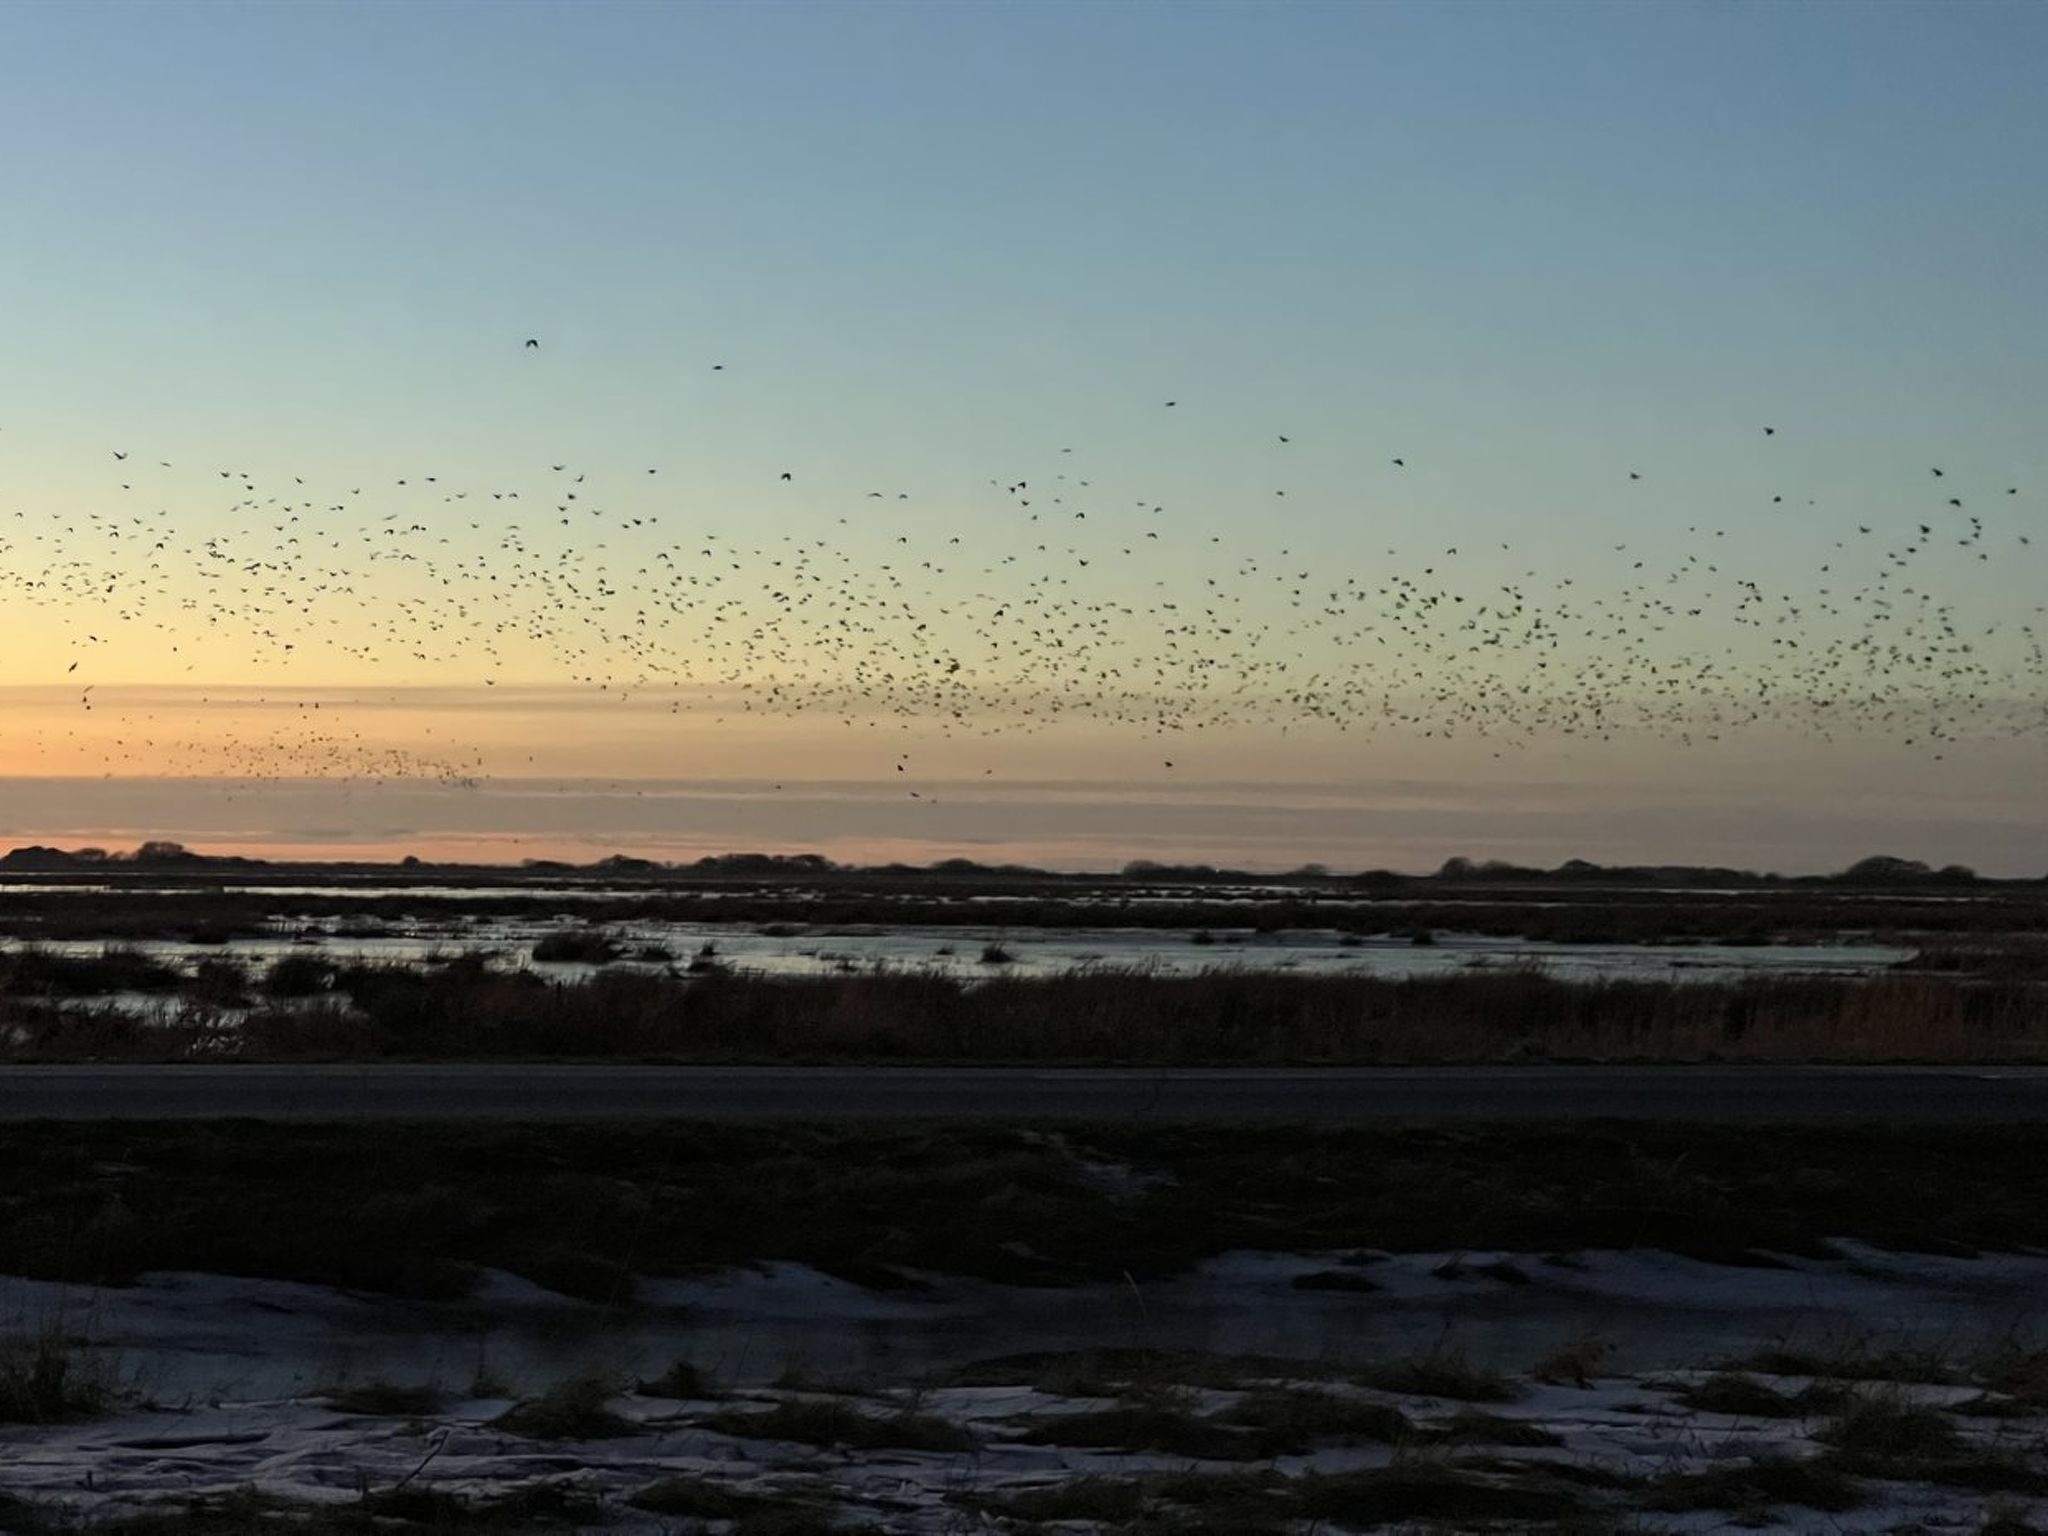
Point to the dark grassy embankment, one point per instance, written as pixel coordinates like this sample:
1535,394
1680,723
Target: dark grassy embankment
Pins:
1557,913
311,1009
415,1210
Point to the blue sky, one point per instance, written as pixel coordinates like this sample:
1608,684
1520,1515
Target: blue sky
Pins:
1421,216
1526,247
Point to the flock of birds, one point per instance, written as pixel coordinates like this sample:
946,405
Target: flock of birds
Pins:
1052,594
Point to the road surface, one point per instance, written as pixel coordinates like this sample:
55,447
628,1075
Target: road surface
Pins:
1334,1095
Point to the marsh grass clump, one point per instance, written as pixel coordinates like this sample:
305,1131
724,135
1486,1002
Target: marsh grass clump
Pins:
221,980
1438,1491
2015,1371
575,1409
1744,1396
1887,1429
1473,1426
1099,1499
383,1399
1163,1504
46,1377
32,971
576,1272
1158,1425
1443,1372
1240,1491
299,976
993,953
581,946
1811,1483
1295,1418
1853,1360
833,1422
1133,1371
700,1498
2005,1518
681,1380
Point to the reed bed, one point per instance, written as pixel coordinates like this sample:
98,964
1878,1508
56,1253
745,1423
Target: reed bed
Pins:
1560,913
466,1011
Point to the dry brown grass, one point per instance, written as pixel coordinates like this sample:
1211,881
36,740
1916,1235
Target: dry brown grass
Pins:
464,1012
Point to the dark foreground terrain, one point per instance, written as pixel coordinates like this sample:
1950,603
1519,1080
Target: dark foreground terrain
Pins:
1942,1432
585,1209
209,900
54,1009
1325,1095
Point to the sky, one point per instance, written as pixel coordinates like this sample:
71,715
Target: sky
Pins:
941,263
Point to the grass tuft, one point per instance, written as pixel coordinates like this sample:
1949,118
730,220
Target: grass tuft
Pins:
1443,1372
1295,1418
681,1380
383,1399
2006,1518
47,1378
700,1498
1813,1483
1434,1491
1743,1396
1100,1499
1471,1426
1150,1427
583,946
1886,1429
571,1410
1854,1361
831,1422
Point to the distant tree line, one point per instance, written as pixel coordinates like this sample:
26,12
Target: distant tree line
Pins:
1877,870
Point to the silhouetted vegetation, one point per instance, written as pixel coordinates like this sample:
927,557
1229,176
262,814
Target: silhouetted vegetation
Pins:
583,946
321,1008
417,1210
197,898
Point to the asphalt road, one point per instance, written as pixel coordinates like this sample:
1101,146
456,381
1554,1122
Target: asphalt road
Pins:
1334,1095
